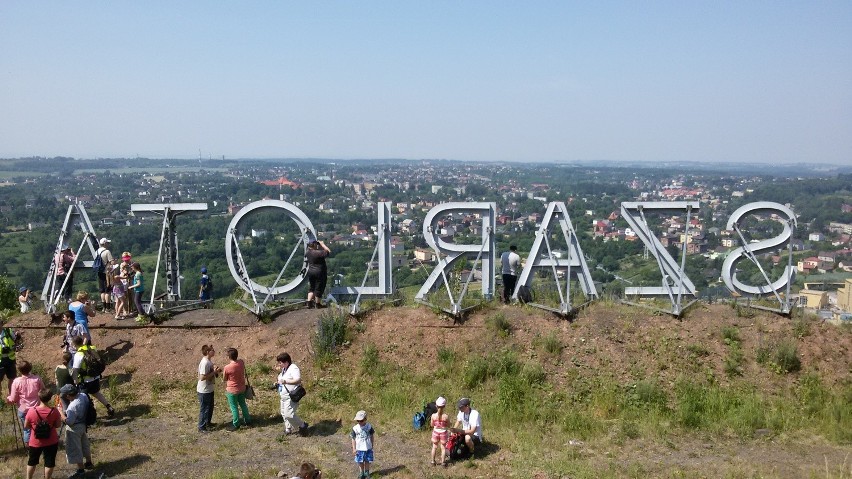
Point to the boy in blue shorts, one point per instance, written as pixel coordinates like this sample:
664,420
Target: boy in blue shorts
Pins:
362,443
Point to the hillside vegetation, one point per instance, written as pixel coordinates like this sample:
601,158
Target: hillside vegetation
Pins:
618,392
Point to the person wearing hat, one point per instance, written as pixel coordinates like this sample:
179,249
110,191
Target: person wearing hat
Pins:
103,279
471,424
363,441
24,299
205,287
64,283
75,406
440,423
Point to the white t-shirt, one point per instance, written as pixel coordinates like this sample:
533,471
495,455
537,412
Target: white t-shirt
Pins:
205,367
511,262
363,436
292,373
472,419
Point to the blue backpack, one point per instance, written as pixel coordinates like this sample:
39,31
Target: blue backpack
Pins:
98,265
419,420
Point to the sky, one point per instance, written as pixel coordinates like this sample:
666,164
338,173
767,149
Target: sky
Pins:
564,81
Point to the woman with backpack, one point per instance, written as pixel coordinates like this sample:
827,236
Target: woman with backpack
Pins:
44,421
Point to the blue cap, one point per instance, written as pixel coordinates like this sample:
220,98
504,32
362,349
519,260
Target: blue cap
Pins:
23,288
68,389
203,270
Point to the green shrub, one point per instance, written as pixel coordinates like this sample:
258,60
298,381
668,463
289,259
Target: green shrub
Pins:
331,333
801,328
370,359
8,294
647,395
499,324
552,344
787,358
446,355
730,335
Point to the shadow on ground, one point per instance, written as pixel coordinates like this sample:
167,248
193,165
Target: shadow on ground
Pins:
121,466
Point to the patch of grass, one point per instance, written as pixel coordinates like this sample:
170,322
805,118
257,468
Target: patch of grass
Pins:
787,357
331,334
730,334
499,324
446,355
369,359
801,328
552,344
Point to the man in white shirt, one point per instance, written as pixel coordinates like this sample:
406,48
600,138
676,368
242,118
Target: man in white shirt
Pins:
471,424
511,264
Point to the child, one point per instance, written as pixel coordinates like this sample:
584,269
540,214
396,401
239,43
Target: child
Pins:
362,443
440,422
138,287
119,290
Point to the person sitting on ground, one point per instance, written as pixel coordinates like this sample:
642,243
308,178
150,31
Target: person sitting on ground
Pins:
440,422
308,471
40,443
24,393
75,405
471,424
88,381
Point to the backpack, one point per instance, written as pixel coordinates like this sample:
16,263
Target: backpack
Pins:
456,446
525,294
429,409
91,412
42,427
419,420
98,265
93,364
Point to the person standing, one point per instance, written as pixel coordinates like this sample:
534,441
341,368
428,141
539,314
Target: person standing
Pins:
234,375
317,271
104,281
83,310
207,373
85,377
205,287
363,441
8,345
44,421
471,424
440,423
511,264
289,379
73,329
137,287
24,299
75,405
64,271
24,393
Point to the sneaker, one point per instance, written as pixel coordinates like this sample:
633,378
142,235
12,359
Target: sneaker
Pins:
232,428
110,411
89,465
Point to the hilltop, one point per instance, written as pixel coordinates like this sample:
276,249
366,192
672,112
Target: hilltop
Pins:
602,396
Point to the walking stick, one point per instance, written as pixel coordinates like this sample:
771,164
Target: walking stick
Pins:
18,428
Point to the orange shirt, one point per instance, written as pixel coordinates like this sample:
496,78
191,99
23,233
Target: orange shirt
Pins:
234,375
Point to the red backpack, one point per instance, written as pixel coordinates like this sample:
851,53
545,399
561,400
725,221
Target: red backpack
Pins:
456,446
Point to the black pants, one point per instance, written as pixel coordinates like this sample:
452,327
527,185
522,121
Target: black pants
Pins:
509,282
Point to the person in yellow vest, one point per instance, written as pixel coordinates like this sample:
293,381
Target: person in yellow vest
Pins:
8,343
88,380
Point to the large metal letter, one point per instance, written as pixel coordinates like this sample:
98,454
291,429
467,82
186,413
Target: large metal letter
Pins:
238,267
749,250
168,241
449,253
574,265
675,283
52,292
383,248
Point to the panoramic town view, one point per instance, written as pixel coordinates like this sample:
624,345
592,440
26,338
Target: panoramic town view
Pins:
422,241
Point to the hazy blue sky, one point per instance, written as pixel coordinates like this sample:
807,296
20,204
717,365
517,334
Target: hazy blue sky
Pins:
471,80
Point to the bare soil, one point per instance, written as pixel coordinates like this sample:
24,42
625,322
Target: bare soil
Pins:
154,433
